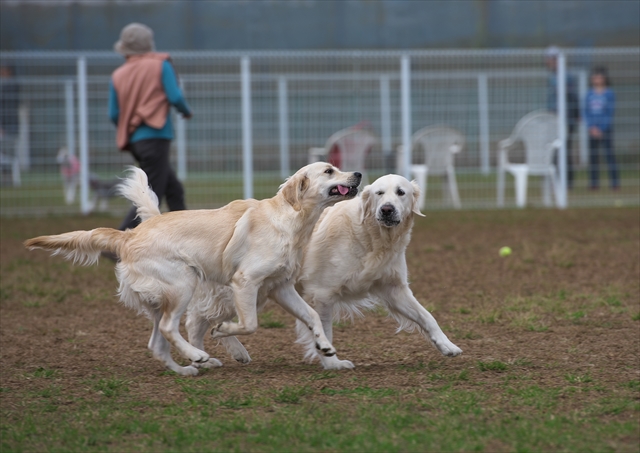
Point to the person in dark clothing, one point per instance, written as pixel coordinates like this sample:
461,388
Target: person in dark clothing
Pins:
141,94
9,123
573,106
10,100
599,108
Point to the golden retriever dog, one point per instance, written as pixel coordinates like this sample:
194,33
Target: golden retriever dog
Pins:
354,260
253,247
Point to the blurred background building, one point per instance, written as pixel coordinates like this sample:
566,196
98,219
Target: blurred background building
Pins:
321,24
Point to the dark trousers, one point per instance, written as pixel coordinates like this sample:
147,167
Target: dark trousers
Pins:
153,157
594,160
570,172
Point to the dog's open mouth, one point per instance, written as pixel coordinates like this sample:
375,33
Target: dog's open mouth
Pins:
343,191
389,222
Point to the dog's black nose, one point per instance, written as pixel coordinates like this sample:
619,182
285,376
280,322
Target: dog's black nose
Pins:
357,174
387,210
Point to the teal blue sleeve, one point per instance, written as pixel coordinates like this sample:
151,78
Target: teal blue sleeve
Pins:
114,108
172,89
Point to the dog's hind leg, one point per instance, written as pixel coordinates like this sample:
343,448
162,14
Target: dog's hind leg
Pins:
289,299
245,295
161,349
305,337
236,349
197,327
176,301
403,306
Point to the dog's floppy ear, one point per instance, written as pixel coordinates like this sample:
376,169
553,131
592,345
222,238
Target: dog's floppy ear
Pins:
365,203
416,196
294,188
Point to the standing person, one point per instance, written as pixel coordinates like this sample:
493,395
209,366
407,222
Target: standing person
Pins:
573,108
599,109
141,94
9,123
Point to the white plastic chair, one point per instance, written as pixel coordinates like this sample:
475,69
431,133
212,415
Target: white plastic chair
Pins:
440,144
538,131
346,149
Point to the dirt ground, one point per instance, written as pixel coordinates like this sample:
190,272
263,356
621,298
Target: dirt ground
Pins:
565,303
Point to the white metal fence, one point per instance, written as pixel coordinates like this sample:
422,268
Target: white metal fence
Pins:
256,114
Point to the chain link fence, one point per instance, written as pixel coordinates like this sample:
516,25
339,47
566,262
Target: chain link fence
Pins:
257,114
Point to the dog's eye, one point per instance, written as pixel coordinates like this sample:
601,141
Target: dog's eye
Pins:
380,192
329,171
400,192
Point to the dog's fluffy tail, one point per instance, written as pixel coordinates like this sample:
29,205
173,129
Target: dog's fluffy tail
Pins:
136,189
82,247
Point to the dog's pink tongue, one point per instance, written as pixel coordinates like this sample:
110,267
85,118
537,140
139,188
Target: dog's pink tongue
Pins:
343,190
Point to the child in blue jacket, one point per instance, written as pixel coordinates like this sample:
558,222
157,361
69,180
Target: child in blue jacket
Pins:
599,109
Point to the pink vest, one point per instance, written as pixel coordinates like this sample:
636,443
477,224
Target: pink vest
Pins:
141,96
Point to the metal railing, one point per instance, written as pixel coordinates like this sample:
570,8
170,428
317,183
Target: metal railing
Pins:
257,113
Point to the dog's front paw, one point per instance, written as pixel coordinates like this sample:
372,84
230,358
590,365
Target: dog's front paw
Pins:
198,356
334,363
186,370
325,349
216,331
242,358
211,363
446,347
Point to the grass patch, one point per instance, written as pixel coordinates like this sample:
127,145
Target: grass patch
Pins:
111,387
291,395
444,422
268,322
578,378
46,373
323,375
494,365
359,392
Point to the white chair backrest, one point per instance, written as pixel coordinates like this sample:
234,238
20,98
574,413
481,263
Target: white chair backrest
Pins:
354,145
439,143
537,130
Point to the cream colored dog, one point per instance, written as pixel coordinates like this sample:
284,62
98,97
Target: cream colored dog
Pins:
252,247
354,260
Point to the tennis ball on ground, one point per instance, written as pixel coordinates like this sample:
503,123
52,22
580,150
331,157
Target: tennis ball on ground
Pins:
505,251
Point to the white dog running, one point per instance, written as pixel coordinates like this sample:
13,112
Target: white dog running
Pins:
356,259
253,247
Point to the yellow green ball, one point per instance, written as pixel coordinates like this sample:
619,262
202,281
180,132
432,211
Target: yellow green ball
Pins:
505,251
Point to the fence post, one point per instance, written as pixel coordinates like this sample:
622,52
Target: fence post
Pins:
283,116
70,120
405,88
561,83
483,117
83,126
583,133
247,152
181,143
385,120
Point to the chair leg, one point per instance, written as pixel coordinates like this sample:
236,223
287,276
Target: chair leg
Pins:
553,182
521,177
420,173
546,192
500,187
15,172
453,188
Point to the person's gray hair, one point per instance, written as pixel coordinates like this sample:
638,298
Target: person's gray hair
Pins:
552,52
135,39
